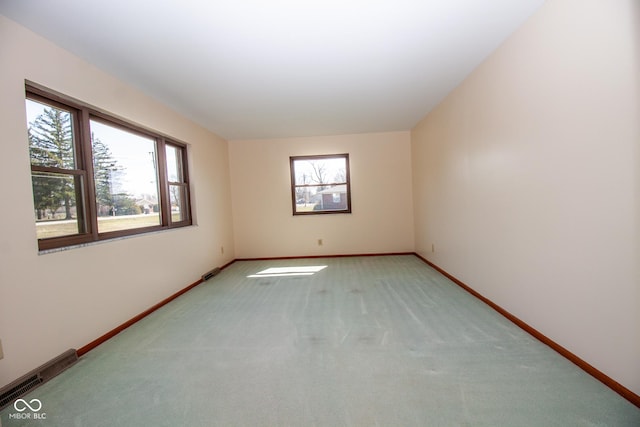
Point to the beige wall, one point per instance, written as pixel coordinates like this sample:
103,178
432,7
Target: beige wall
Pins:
526,180
56,301
382,218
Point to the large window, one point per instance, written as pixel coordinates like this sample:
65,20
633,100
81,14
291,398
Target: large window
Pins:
320,184
96,177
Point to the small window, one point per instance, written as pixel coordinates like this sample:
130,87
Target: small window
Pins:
320,184
178,184
95,177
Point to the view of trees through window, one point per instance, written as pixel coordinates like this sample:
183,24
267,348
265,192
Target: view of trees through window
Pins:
124,186
124,171
320,184
57,180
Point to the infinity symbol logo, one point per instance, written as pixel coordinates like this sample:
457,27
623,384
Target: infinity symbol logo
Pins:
21,405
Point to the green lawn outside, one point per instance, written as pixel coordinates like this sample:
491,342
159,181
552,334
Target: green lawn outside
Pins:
305,208
46,229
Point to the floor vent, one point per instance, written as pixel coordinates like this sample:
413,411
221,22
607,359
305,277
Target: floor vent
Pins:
209,274
38,376
20,389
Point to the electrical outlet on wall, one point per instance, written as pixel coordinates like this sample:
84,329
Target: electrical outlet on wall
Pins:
320,242
1,353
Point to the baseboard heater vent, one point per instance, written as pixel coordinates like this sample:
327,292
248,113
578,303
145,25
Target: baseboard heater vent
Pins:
37,377
209,274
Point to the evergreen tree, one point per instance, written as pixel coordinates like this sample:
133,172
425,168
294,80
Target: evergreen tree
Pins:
51,145
105,173
51,139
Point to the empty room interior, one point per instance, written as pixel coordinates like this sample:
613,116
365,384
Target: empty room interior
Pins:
331,213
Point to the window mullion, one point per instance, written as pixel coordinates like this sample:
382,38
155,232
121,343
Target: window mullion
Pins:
322,184
87,158
48,169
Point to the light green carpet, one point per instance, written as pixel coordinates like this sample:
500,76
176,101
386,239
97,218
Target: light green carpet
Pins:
368,341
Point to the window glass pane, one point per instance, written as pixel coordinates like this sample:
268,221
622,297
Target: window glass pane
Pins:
174,163
54,199
50,136
178,197
321,198
126,180
320,171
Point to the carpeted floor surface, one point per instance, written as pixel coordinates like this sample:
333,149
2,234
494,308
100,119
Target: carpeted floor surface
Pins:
364,341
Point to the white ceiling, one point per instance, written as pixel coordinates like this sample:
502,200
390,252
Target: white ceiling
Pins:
278,68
